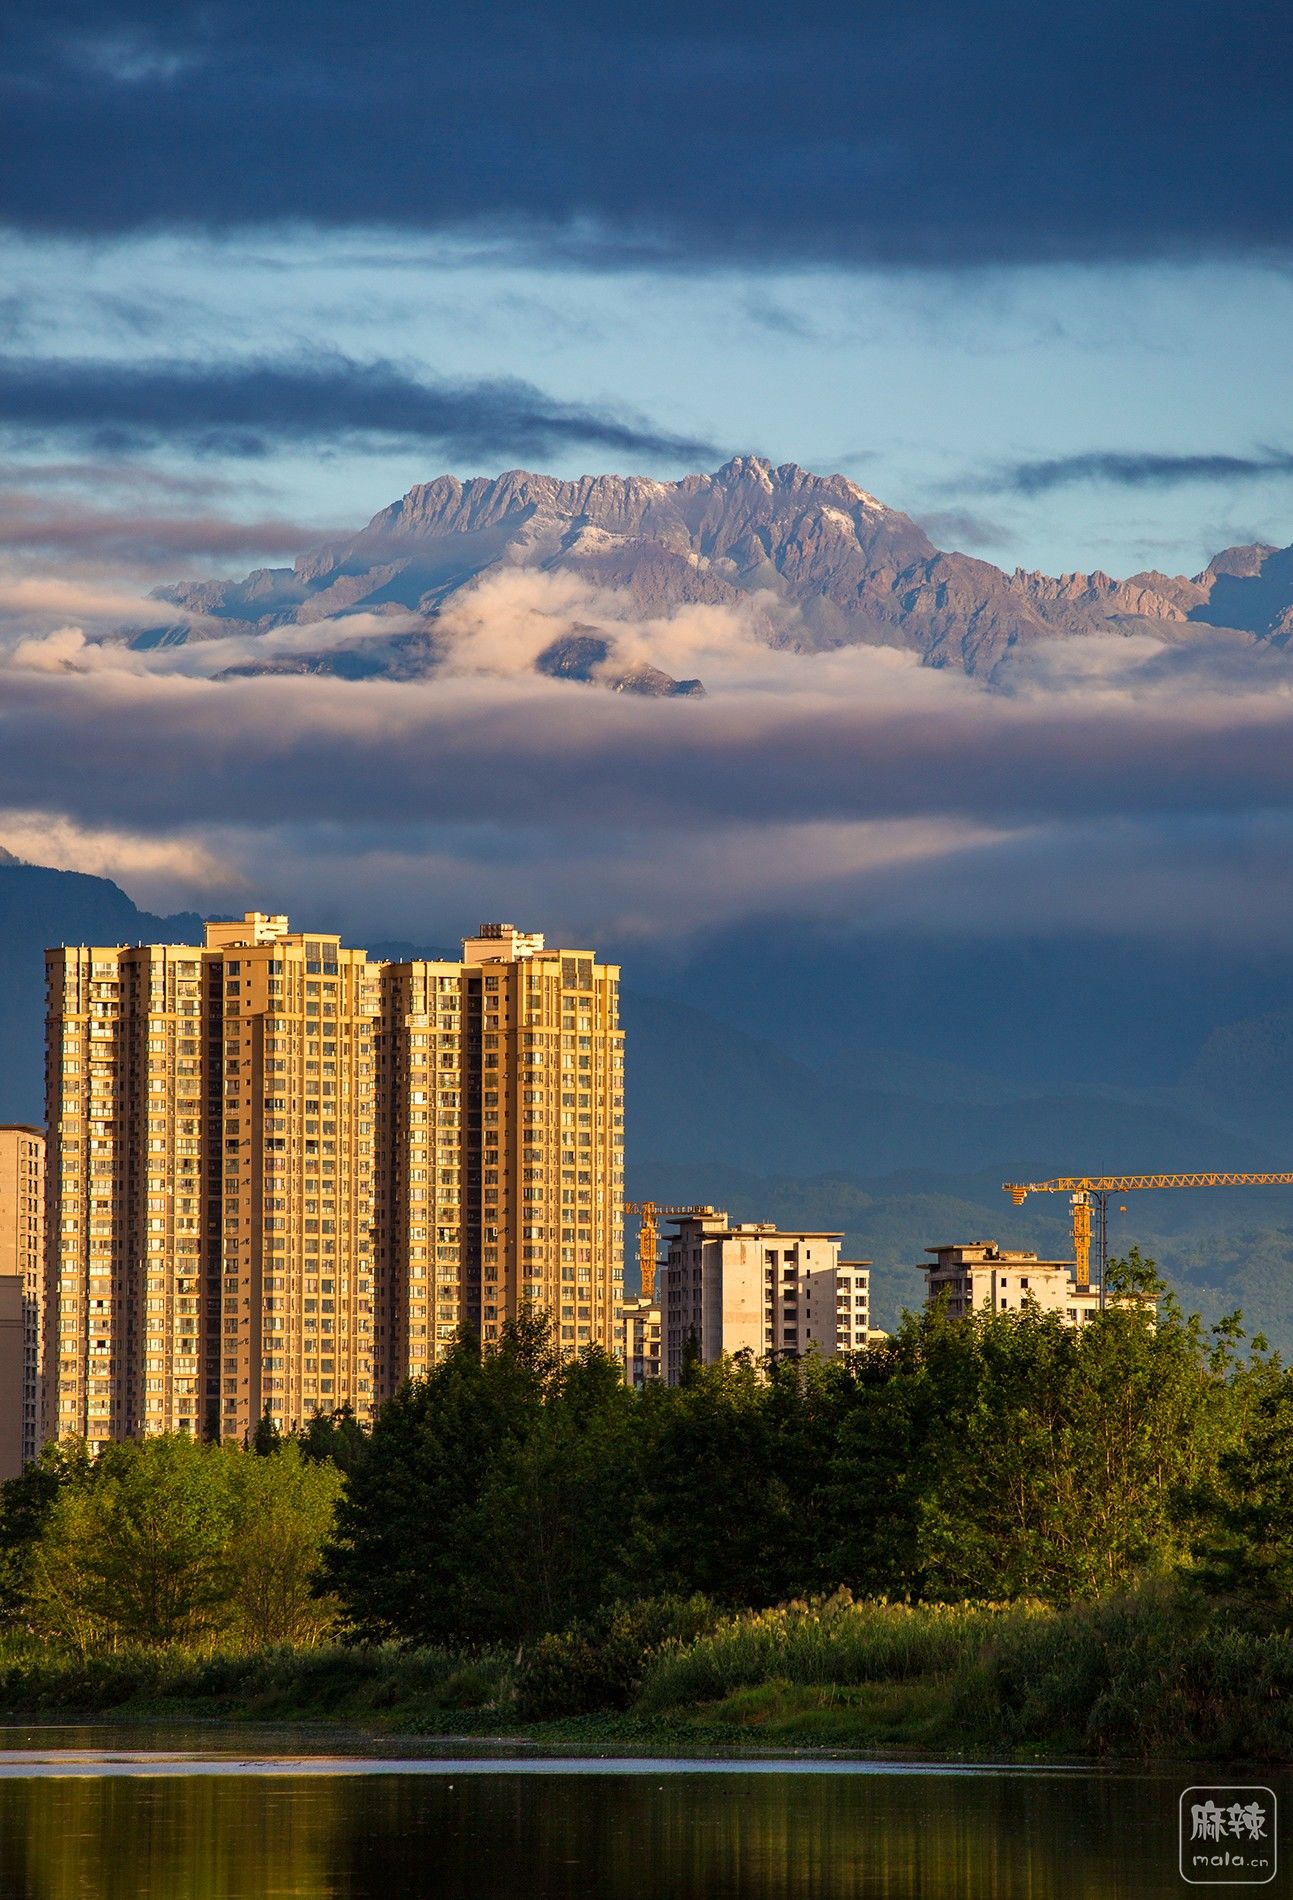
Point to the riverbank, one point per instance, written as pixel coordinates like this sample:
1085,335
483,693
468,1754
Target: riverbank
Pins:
1153,1675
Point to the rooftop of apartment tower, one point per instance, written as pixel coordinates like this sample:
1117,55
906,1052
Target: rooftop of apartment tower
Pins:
492,943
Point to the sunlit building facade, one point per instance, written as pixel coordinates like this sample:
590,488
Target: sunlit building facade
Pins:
501,1181
282,1177
729,1287
978,1276
22,1262
209,1252
643,1341
296,1015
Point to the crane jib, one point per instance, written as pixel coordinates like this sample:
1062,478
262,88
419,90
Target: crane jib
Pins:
1130,1183
1083,1189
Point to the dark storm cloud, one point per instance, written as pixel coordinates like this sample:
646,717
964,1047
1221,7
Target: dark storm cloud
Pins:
1132,469
957,131
249,408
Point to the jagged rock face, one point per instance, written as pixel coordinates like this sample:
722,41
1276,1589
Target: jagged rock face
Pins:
814,560
589,657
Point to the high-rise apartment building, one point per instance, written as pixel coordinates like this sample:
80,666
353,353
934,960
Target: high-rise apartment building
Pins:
282,1177
132,1087
747,1287
501,1182
22,1259
11,1375
296,1015
210,1249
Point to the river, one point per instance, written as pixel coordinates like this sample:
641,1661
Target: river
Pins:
243,1815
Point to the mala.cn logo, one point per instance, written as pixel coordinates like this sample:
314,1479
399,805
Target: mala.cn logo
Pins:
1228,1837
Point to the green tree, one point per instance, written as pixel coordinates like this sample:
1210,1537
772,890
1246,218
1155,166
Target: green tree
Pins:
551,1521
884,1457
267,1438
25,1506
1244,1545
281,1514
141,1551
716,1514
335,1436
1065,1461
406,1562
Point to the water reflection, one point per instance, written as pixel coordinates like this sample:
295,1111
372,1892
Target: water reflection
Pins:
510,1835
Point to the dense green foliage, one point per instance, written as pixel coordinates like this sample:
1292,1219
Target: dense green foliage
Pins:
986,1532
325,1680
1150,1673
1245,1550
1002,1457
167,1541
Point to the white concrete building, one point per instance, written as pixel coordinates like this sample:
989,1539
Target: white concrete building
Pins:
980,1276
643,1358
750,1288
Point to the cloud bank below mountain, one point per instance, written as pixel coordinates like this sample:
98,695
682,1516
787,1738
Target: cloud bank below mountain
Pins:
1115,782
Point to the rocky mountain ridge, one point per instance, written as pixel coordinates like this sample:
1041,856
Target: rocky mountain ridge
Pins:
821,563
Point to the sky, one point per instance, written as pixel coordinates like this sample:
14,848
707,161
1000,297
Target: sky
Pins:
1026,274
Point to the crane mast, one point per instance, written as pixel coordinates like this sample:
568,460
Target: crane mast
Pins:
650,1213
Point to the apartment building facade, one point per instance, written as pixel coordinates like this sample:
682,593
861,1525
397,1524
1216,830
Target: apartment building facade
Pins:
501,1091
297,1016
210,1182
281,1177
129,1186
979,1276
750,1287
22,1261
643,1341
11,1375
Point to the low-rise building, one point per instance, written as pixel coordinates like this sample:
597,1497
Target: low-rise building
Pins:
749,1287
981,1277
643,1360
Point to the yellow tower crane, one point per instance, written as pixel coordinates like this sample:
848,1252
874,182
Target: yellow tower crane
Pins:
650,1212
1091,1191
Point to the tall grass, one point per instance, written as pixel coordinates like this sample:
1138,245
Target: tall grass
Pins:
823,1641
1146,1674
1154,1673
277,1682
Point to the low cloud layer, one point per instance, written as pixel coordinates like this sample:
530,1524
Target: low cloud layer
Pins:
958,132
1116,776
138,537
246,409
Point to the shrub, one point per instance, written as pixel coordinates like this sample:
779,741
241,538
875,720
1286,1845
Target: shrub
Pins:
599,1664
1135,1675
